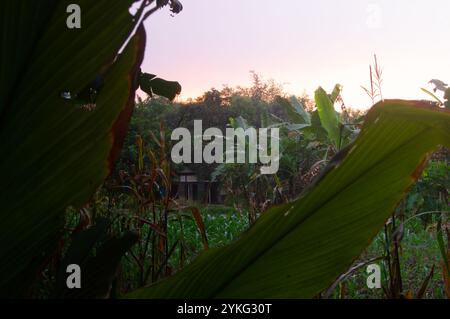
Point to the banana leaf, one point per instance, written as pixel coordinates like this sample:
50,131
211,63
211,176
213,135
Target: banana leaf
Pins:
56,152
328,116
299,249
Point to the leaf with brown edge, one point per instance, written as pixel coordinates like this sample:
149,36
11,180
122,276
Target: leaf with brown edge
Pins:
299,249
120,128
57,155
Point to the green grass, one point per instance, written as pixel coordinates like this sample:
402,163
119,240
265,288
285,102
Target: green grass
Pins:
223,225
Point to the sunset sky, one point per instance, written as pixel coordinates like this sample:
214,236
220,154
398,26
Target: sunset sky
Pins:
302,44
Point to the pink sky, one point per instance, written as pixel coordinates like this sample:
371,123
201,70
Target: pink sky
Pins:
302,44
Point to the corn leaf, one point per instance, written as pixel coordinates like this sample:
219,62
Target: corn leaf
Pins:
328,116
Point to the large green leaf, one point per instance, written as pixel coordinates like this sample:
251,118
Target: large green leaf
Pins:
328,116
297,250
54,152
18,39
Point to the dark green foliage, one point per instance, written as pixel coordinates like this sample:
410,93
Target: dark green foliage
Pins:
99,269
55,154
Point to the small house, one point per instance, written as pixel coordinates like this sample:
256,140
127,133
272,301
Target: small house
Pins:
191,188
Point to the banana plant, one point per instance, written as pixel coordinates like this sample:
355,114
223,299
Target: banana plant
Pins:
245,181
325,124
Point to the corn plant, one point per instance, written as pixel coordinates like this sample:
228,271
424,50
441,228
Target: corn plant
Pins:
149,205
375,92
